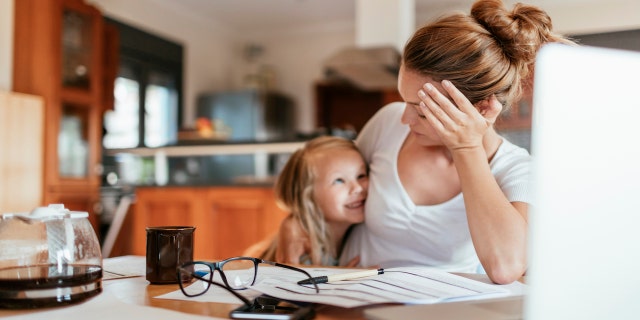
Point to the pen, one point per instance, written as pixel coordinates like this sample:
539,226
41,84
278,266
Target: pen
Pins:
343,276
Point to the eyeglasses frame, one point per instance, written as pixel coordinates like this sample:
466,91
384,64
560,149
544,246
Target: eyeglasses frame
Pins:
218,266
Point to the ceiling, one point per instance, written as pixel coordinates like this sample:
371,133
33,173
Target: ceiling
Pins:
252,15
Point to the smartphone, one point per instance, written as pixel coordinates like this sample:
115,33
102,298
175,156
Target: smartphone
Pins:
275,309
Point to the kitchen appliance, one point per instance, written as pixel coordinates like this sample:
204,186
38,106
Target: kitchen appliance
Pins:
251,115
48,257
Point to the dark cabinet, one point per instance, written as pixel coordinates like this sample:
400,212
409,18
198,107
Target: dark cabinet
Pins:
344,106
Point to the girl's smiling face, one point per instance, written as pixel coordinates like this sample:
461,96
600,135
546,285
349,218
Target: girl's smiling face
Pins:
340,186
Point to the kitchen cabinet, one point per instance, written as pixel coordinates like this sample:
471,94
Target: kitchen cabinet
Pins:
344,106
58,55
227,219
515,123
518,117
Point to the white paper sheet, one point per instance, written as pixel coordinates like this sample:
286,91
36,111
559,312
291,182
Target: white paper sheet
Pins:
396,285
123,267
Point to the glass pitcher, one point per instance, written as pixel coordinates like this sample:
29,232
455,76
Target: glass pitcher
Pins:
48,257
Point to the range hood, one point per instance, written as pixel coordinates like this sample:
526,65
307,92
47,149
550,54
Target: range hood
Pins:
369,69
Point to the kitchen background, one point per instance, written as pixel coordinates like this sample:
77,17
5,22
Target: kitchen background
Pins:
295,52
221,53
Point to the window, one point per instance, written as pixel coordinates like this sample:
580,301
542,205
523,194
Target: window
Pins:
147,91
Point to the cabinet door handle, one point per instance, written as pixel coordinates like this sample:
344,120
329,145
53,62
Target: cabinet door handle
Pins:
98,169
97,208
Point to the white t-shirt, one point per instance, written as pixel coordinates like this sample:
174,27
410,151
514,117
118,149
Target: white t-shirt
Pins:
396,232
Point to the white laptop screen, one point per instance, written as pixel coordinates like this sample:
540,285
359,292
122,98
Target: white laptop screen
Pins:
585,239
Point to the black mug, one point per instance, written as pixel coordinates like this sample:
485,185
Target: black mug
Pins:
168,247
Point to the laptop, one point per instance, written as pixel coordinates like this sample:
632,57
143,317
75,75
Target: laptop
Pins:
584,243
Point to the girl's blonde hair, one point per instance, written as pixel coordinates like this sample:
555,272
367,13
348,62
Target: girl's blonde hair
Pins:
294,192
489,51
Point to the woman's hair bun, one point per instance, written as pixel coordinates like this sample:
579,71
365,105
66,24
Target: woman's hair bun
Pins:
520,32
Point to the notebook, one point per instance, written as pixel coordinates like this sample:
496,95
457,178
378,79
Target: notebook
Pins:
584,244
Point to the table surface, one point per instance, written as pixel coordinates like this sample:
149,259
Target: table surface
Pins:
137,291
129,290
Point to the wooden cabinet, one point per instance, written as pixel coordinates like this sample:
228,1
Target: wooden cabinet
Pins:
228,220
58,47
518,117
341,105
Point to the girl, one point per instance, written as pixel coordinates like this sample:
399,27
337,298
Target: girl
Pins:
324,187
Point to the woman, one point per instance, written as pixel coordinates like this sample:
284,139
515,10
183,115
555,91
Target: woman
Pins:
445,189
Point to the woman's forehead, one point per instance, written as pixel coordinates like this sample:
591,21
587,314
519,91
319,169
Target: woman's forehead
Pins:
410,81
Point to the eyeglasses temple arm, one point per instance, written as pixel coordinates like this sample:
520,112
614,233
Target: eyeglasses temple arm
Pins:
294,269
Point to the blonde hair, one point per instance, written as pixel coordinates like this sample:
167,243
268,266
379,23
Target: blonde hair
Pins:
489,51
294,192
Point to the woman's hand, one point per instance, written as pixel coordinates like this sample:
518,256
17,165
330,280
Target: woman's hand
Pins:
459,123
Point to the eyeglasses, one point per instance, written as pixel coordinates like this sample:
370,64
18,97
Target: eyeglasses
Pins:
238,273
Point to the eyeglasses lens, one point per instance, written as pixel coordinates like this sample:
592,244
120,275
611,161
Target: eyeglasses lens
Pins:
240,273
194,286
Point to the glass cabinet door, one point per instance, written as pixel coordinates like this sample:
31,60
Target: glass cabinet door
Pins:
73,142
76,49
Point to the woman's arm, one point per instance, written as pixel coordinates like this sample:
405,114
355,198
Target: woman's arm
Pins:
498,228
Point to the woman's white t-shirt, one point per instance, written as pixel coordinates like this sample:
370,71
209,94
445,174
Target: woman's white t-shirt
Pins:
396,232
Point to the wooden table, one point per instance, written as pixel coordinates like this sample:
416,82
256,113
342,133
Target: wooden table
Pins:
137,291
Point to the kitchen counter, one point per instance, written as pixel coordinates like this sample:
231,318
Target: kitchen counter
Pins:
213,149
214,163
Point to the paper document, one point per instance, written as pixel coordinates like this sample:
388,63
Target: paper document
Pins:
397,285
123,267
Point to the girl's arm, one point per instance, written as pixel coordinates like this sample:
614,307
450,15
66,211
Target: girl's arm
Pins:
498,228
292,242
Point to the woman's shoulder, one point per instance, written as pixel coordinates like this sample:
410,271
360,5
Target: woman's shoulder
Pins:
383,127
511,161
511,168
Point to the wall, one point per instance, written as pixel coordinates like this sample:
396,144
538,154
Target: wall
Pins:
592,16
296,56
6,43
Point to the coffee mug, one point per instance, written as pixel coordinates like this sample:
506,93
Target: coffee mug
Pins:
168,247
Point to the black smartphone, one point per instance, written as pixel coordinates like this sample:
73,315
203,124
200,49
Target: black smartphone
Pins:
273,309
